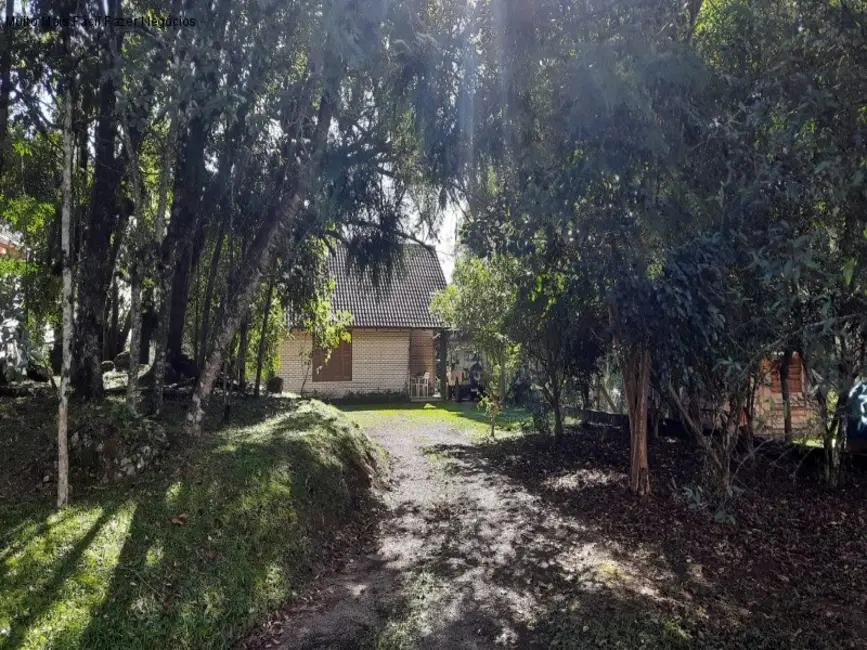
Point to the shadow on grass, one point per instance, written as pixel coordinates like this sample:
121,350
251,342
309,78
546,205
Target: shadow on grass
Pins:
203,550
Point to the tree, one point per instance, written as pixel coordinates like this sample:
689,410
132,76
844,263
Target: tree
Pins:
478,304
66,298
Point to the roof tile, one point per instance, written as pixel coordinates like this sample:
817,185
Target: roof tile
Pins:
404,302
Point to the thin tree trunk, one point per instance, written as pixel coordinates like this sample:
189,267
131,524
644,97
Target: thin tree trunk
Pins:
147,324
134,246
834,453
784,391
111,344
66,244
655,415
604,393
259,258
209,287
636,383
558,420
835,437
260,358
132,393
6,79
162,291
96,265
179,297
242,353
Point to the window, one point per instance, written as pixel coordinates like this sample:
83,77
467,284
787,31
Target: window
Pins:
339,364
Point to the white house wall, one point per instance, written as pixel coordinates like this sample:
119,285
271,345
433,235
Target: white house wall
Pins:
380,364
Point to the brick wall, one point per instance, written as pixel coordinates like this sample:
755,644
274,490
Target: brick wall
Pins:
380,363
769,412
422,357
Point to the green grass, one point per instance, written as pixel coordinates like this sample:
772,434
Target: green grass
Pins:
467,416
191,557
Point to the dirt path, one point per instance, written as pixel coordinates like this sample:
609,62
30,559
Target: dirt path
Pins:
464,558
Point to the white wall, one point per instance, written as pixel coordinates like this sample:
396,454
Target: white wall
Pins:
380,363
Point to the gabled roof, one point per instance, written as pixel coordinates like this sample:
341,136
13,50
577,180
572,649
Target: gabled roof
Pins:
403,302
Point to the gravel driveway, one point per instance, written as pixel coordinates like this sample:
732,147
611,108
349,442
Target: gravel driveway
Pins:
464,557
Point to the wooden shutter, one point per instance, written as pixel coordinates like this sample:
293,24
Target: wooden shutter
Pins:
796,372
796,383
339,365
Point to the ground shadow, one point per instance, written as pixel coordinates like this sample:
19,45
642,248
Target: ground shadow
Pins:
758,583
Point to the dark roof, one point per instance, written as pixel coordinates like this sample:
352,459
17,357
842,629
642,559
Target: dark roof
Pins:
403,302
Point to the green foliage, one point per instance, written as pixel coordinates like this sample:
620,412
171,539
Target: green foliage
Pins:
189,559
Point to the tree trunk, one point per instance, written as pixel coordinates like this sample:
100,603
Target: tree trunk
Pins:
558,419
604,393
258,259
162,290
209,287
132,393
502,387
163,298
784,391
835,438
260,357
66,245
148,322
6,80
655,414
111,339
636,384
180,295
178,245
443,369
242,353
834,453
96,266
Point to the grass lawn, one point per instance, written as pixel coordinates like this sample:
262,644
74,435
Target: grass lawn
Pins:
192,555
468,416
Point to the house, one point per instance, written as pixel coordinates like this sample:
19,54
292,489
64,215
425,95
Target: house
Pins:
10,242
393,346
769,411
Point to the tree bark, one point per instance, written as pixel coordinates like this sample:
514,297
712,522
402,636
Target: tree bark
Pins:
258,258
604,393
242,353
558,419
260,358
502,387
444,364
209,286
784,391
132,393
111,337
66,245
6,80
835,437
148,322
179,297
186,220
162,292
96,266
636,383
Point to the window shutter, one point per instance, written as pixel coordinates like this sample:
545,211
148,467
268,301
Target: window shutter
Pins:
339,365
